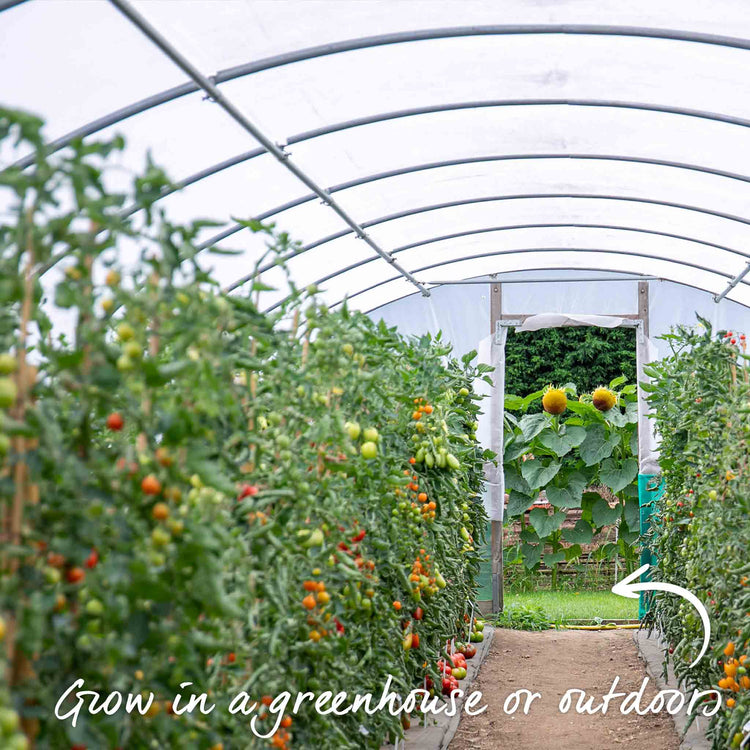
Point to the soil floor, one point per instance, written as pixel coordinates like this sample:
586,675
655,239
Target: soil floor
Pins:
552,662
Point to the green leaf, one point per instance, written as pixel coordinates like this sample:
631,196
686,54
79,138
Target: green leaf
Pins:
545,523
514,481
552,558
562,497
632,514
617,382
515,450
517,503
581,533
618,475
603,514
532,555
598,445
539,473
574,434
532,424
556,443
573,552
529,536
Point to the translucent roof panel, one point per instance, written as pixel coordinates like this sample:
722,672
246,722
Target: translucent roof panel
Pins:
463,138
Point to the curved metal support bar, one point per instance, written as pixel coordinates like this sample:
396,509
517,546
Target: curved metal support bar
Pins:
526,251
252,129
381,40
557,268
229,231
488,230
489,199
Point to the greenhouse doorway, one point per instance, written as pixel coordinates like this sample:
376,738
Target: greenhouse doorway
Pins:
644,451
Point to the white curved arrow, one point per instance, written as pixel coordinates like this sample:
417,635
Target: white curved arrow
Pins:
628,588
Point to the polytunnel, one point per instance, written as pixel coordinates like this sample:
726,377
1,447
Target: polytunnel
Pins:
463,168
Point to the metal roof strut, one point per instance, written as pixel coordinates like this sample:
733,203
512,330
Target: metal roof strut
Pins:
276,151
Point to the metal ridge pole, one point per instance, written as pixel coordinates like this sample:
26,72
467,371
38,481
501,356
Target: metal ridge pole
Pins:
533,250
276,151
732,284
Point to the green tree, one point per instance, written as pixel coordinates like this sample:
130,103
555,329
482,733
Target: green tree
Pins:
587,356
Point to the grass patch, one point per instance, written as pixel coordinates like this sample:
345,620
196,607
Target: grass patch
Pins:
573,605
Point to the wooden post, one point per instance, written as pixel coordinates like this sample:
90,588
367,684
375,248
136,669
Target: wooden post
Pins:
496,544
643,305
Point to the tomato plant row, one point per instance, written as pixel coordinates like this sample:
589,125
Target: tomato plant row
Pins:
701,525
194,491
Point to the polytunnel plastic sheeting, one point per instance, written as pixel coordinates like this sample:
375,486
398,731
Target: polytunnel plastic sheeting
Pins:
641,110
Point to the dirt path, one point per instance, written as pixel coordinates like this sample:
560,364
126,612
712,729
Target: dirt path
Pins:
550,663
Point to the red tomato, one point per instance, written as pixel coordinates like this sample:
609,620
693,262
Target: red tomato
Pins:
92,560
247,490
75,575
115,422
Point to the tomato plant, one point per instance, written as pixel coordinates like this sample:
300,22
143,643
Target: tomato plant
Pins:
699,534
195,491
572,446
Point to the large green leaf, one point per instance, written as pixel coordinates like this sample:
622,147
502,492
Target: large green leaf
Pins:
618,474
562,497
632,514
581,533
532,424
574,434
552,558
598,445
554,442
532,554
517,503
604,515
573,552
616,417
514,450
538,473
587,505
529,536
569,495
514,481
545,523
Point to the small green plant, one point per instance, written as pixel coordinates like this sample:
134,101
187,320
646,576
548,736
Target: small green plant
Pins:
522,617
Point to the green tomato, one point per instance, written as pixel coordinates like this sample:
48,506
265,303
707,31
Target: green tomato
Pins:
9,721
125,332
371,435
160,537
713,495
8,393
18,742
51,575
369,450
4,445
133,350
315,539
8,364
124,363
463,392
94,608
353,430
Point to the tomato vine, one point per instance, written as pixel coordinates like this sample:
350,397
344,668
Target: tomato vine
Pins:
196,491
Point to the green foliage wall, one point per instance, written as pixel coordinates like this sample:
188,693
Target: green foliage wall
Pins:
586,356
